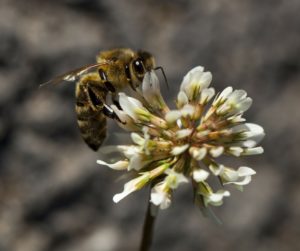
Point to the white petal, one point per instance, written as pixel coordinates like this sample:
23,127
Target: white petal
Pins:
254,129
172,116
174,178
229,175
244,105
195,81
119,165
188,110
187,78
253,151
136,138
129,151
179,149
129,105
180,179
179,123
151,90
183,133
251,134
241,182
120,196
200,175
205,79
196,70
237,95
160,200
235,150
245,181
245,171
132,186
255,133
248,143
182,99
160,197
146,138
235,103
240,177
150,84
236,119
223,95
216,169
223,109
137,162
216,199
240,128
216,151
203,133
226,92
126,120
206,95
198,153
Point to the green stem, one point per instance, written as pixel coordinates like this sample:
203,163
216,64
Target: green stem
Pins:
148,228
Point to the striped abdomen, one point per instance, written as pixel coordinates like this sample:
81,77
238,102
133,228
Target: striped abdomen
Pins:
90,96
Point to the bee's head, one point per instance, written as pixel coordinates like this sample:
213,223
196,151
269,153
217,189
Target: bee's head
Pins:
142,63
147,59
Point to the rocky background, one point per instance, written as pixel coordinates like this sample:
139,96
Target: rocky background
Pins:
53,195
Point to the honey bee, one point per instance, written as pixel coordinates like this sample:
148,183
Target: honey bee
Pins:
114,71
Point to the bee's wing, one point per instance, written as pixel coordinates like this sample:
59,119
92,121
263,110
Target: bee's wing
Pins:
74,74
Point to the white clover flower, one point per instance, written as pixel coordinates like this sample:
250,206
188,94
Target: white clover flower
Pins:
195,81
174,146
132,186
240,177
200,175
173,178
209,197
161,196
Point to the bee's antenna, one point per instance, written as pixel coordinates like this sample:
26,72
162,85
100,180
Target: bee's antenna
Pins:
163,73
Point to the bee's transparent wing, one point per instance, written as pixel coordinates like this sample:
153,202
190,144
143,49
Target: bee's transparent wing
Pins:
74,74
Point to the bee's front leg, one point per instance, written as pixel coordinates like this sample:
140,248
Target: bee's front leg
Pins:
109,112
115,101
108,85
110,88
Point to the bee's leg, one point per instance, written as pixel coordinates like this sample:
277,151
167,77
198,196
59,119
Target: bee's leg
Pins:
108,85
107,111
115,101
128,76
117,104
93,98
99,104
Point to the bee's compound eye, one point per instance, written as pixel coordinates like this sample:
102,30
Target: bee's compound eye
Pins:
138,66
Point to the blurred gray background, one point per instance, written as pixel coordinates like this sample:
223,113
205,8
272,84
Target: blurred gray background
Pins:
53,195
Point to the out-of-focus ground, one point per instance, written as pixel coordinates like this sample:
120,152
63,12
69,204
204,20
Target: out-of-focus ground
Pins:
53,195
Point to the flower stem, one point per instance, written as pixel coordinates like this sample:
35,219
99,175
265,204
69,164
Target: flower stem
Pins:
148,228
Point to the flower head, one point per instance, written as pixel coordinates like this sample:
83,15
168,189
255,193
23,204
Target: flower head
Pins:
174,146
